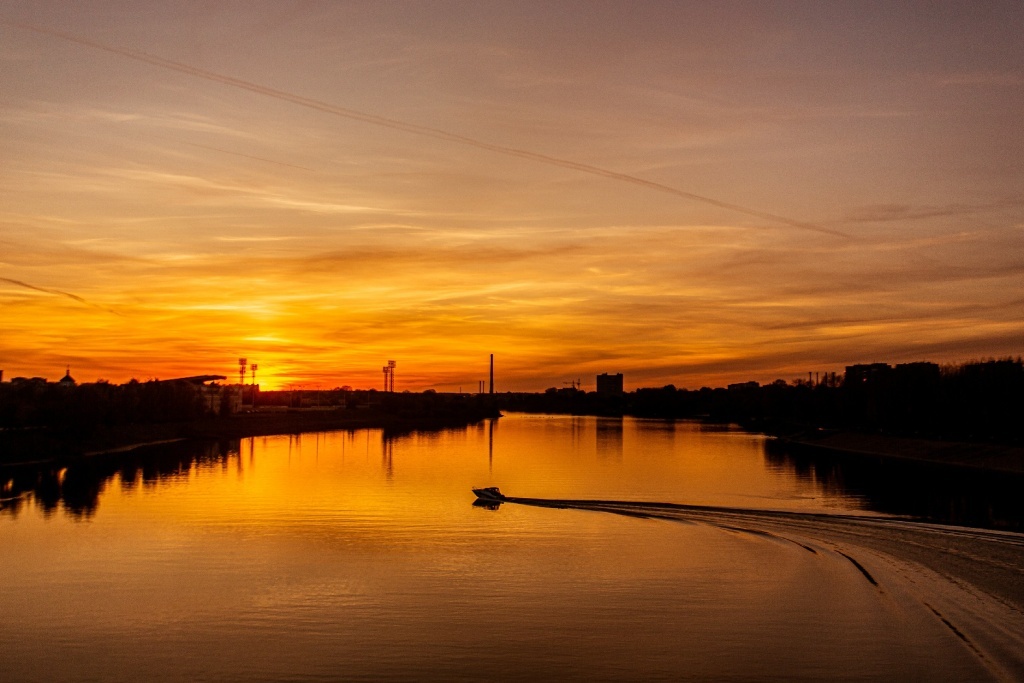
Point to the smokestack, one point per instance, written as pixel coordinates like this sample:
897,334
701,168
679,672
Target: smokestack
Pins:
492,373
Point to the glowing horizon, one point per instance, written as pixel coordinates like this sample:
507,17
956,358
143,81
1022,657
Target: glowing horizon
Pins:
687,194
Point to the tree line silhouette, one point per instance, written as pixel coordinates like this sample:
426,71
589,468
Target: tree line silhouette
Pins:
35,403
39,404
44,420
974,401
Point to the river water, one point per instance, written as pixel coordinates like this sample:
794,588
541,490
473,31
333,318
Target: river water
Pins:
358,556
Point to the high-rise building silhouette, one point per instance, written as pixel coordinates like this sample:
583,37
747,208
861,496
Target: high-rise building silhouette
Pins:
609,384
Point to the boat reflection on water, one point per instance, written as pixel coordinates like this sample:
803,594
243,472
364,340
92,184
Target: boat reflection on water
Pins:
944,494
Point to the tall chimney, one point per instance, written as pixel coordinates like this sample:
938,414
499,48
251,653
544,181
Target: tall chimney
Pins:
492,373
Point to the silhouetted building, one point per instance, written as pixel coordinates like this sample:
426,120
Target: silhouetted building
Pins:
609,384
869,373
217,398
26,381
196,380
740,386
917,373
67,380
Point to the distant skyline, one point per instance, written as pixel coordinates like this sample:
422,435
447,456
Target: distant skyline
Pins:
687,193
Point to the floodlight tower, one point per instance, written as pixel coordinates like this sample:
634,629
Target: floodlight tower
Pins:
254,368
242,362
391,374
387,371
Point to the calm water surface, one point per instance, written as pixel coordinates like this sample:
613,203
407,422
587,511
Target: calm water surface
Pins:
348,555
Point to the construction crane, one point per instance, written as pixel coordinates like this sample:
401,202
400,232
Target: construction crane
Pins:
575,384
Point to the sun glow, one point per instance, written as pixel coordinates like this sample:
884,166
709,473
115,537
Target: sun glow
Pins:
681,223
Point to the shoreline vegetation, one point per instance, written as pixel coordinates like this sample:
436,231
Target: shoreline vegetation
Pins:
395,414
964,415
45,445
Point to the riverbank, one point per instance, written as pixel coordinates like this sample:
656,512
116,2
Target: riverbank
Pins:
42,445
987,457
978,456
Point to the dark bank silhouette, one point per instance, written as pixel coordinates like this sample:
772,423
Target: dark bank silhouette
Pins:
41,420
37,403
973,402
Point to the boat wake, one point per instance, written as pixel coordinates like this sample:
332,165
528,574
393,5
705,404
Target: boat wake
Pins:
965,586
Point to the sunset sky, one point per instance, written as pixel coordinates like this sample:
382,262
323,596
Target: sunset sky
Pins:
685,192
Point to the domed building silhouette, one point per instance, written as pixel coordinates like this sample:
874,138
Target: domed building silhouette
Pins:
67,380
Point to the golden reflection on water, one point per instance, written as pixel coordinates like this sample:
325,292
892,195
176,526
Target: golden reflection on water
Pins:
366,477
350,555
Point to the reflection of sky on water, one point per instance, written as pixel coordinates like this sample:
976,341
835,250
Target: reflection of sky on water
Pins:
548,455
299,557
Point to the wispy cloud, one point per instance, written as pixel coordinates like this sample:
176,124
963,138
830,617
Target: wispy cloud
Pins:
426,131
885,213
224,217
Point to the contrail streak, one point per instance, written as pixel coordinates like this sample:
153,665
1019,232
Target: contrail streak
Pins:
416,129
57,292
